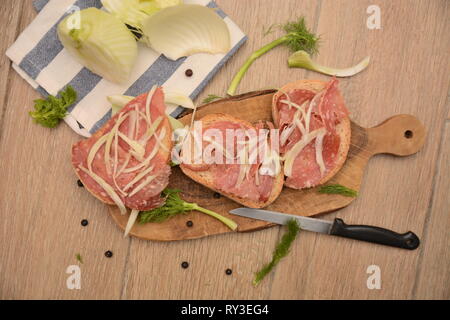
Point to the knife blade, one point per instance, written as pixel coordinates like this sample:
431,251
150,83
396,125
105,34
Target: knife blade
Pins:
338,227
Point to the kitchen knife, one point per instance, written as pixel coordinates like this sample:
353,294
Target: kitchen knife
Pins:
337,227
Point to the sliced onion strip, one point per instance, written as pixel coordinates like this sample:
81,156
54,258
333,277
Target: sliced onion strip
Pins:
148,101
292,154
144,163
127,160
131,220
311,106
319,152
151,130
136,146
108,189
159,138
111,135
97,145
138,177
142,185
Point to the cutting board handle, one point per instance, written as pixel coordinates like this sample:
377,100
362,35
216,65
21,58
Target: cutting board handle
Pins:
400,135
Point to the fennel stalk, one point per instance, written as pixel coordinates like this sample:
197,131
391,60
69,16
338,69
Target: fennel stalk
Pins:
297,37
174,205
301,59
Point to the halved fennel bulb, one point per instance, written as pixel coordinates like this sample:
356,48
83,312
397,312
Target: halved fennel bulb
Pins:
185,30
152,6
133,12
100,42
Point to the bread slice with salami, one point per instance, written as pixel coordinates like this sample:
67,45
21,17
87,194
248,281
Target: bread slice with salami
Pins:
315,131
126,162
251,180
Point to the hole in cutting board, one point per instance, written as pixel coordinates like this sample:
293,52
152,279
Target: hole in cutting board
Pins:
408,134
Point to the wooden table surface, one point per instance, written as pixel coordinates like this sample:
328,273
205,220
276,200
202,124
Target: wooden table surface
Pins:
41,205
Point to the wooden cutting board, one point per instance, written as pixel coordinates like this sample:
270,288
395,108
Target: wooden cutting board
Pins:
400,135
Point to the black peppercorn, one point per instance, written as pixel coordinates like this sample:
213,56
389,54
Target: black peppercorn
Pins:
189,223
184,265
216,195
84,222
80,184
189,73
228,272
108,254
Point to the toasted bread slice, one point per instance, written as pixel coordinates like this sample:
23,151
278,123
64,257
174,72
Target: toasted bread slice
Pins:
343,129
206,178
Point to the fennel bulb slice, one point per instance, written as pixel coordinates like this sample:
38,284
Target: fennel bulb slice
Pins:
175,123
301,59
133,12
131,220
118,102
186,29
100,42
179,99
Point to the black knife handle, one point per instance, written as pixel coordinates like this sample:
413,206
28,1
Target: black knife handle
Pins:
379,235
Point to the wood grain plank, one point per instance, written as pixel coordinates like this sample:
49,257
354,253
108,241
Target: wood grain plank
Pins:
433,278
41,214
10,13
42,206
397,81
448,103
154,268
41,211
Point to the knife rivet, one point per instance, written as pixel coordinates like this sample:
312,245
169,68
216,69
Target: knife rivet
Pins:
189,73
189,223
216,195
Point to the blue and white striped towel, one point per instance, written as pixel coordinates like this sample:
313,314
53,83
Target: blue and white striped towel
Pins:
39,57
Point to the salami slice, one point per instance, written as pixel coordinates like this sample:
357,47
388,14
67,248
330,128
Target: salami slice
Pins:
313,120
126,161
242,180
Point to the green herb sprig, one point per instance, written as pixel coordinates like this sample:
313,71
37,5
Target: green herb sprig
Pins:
48,112
174,205
79,258
210,98
338,189
281,251
297,37
271,29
